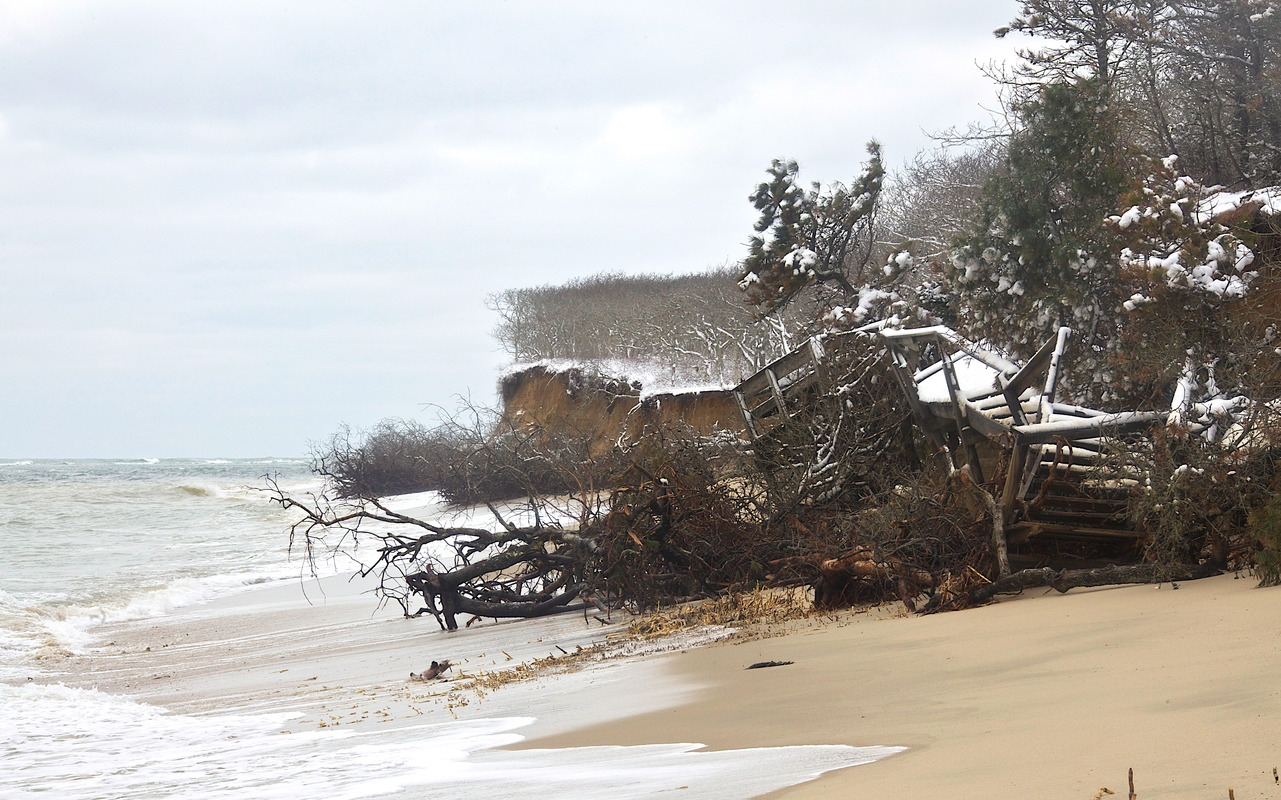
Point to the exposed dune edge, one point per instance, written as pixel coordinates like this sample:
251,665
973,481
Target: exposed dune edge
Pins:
1041,696
580,400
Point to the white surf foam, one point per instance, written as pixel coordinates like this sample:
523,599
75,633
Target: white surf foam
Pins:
82,744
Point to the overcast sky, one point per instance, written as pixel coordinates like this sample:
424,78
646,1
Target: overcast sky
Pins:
226,228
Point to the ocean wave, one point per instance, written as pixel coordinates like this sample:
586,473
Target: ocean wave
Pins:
177,594
15,464
81,743
32,632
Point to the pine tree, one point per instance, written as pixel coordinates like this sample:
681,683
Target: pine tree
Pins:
810,237
1078,38
1040,256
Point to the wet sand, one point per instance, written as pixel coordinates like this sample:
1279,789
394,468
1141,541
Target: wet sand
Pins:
324,651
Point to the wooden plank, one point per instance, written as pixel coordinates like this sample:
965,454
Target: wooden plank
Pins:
1052,376
1076,411
1074,452
1022,531
1026,377
778,392
1114,519
747,415
989,427
996,362
993,360
926,372
1108,424
755,384
1083,470
989,402
1014,476
903,374
766,408
818,357
953,390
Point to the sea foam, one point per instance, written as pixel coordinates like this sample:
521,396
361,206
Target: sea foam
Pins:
84,744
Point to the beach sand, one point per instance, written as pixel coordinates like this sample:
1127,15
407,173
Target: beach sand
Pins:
1040,696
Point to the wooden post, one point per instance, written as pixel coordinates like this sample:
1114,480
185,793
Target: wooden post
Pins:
954,391
778,393
1014,477
1052,377
903,374
747,415
818,356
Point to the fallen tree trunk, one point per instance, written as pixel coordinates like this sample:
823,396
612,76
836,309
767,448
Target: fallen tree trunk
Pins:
861,564
556,604
1064,580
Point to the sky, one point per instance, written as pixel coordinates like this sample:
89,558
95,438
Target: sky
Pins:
228,229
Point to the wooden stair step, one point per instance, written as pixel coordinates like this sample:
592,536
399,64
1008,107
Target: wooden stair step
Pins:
1021,532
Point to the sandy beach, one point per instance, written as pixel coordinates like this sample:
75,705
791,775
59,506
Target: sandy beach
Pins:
1043,695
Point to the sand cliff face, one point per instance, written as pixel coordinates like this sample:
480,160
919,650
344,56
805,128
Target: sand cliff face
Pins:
576,400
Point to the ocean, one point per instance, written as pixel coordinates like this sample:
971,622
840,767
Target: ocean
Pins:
94,545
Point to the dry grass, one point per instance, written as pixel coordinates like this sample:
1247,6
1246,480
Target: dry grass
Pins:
767,607
756,610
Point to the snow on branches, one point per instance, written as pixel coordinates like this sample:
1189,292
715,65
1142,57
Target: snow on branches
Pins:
1174,239
803,238
1191,267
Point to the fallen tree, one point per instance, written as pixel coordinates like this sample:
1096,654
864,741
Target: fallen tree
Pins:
516,571
1063,580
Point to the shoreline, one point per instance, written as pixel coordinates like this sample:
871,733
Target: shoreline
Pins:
1043,695
267,662
319,647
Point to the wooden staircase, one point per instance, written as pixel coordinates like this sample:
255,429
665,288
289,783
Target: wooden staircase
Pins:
1059,491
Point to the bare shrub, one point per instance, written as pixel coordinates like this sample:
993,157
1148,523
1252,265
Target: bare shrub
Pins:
470,457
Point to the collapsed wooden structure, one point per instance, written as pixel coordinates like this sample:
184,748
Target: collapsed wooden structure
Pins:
1045,460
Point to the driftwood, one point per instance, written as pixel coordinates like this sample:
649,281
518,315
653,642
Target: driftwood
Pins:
1063,580
436,670
446,587
861,564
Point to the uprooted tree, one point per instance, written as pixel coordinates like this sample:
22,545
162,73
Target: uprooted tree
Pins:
673,516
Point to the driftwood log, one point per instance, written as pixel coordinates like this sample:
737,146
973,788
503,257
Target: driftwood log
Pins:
1063,580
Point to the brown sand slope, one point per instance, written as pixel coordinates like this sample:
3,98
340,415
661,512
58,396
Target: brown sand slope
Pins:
1036,697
